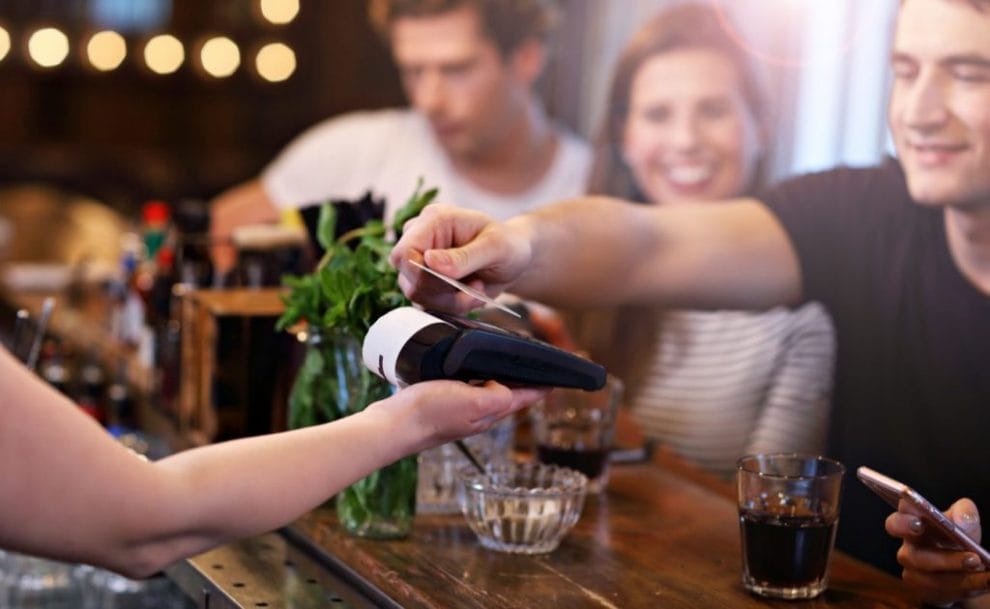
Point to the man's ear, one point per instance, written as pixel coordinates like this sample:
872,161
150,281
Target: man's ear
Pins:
528,60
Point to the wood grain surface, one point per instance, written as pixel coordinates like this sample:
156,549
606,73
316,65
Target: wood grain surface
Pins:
657,538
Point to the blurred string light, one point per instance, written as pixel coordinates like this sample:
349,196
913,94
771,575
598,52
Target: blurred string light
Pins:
48,47
164,54
4,43
220,57
279,12
275,62
106,50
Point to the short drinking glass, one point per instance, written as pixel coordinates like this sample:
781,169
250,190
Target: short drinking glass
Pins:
788,515
574,428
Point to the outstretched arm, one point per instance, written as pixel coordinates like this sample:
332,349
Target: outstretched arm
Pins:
246,203
595,251
69,491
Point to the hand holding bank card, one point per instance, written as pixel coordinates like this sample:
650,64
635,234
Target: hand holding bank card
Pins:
947,534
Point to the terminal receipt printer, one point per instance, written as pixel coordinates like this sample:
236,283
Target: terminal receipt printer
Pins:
407,345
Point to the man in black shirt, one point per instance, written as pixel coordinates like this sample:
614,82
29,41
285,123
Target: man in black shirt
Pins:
900,255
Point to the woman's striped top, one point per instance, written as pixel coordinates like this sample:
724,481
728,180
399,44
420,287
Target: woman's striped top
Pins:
726,383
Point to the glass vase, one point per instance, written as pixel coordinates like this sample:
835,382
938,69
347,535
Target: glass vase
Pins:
333,383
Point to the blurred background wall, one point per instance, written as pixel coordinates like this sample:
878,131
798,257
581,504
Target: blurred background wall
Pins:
129,134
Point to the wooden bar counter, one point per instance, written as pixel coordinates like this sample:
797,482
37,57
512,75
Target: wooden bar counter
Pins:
657,538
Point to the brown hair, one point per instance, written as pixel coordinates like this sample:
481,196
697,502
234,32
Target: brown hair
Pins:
508,23
623,338
688,26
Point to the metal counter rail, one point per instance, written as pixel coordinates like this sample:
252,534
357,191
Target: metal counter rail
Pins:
266,571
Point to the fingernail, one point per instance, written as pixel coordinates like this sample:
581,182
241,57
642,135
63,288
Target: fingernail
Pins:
968,519
916,526
972,562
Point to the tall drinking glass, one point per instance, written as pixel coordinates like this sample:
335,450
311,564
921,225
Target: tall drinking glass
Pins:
788,515
436,491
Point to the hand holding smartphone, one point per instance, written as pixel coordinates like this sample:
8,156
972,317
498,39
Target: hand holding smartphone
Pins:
946,534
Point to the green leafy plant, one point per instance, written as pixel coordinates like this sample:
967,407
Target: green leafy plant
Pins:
353,284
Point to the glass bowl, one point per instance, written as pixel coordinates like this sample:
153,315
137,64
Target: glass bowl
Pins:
523,508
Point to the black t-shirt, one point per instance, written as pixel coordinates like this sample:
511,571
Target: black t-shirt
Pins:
912,387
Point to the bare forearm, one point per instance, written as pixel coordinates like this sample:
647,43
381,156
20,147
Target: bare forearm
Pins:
577,249
72,492
249,486
603,252
135,517
252,485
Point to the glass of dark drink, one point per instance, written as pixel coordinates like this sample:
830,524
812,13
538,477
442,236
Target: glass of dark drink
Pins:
574,428
788,515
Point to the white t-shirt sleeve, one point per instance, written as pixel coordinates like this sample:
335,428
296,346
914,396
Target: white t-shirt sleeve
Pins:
330,160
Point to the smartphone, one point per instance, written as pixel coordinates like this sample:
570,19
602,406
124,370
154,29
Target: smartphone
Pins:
946,534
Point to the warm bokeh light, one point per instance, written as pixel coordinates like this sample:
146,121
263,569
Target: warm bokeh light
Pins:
220,56
164,54
48,47
279,11
275,62
106,50
4,43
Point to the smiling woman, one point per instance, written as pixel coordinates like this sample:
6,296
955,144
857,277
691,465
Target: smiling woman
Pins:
690,132
687,127
681,82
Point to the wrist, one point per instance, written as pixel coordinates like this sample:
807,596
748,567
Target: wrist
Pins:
395,420
524,238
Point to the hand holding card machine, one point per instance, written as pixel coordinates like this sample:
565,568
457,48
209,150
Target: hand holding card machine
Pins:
407,345
948,535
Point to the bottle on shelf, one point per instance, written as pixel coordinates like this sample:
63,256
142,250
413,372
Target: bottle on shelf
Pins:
120,406
92,390
54,367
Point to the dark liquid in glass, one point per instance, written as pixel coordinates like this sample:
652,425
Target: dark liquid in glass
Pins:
588,462
786,551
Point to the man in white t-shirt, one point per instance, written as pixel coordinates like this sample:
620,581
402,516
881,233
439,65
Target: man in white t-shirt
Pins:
475,128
